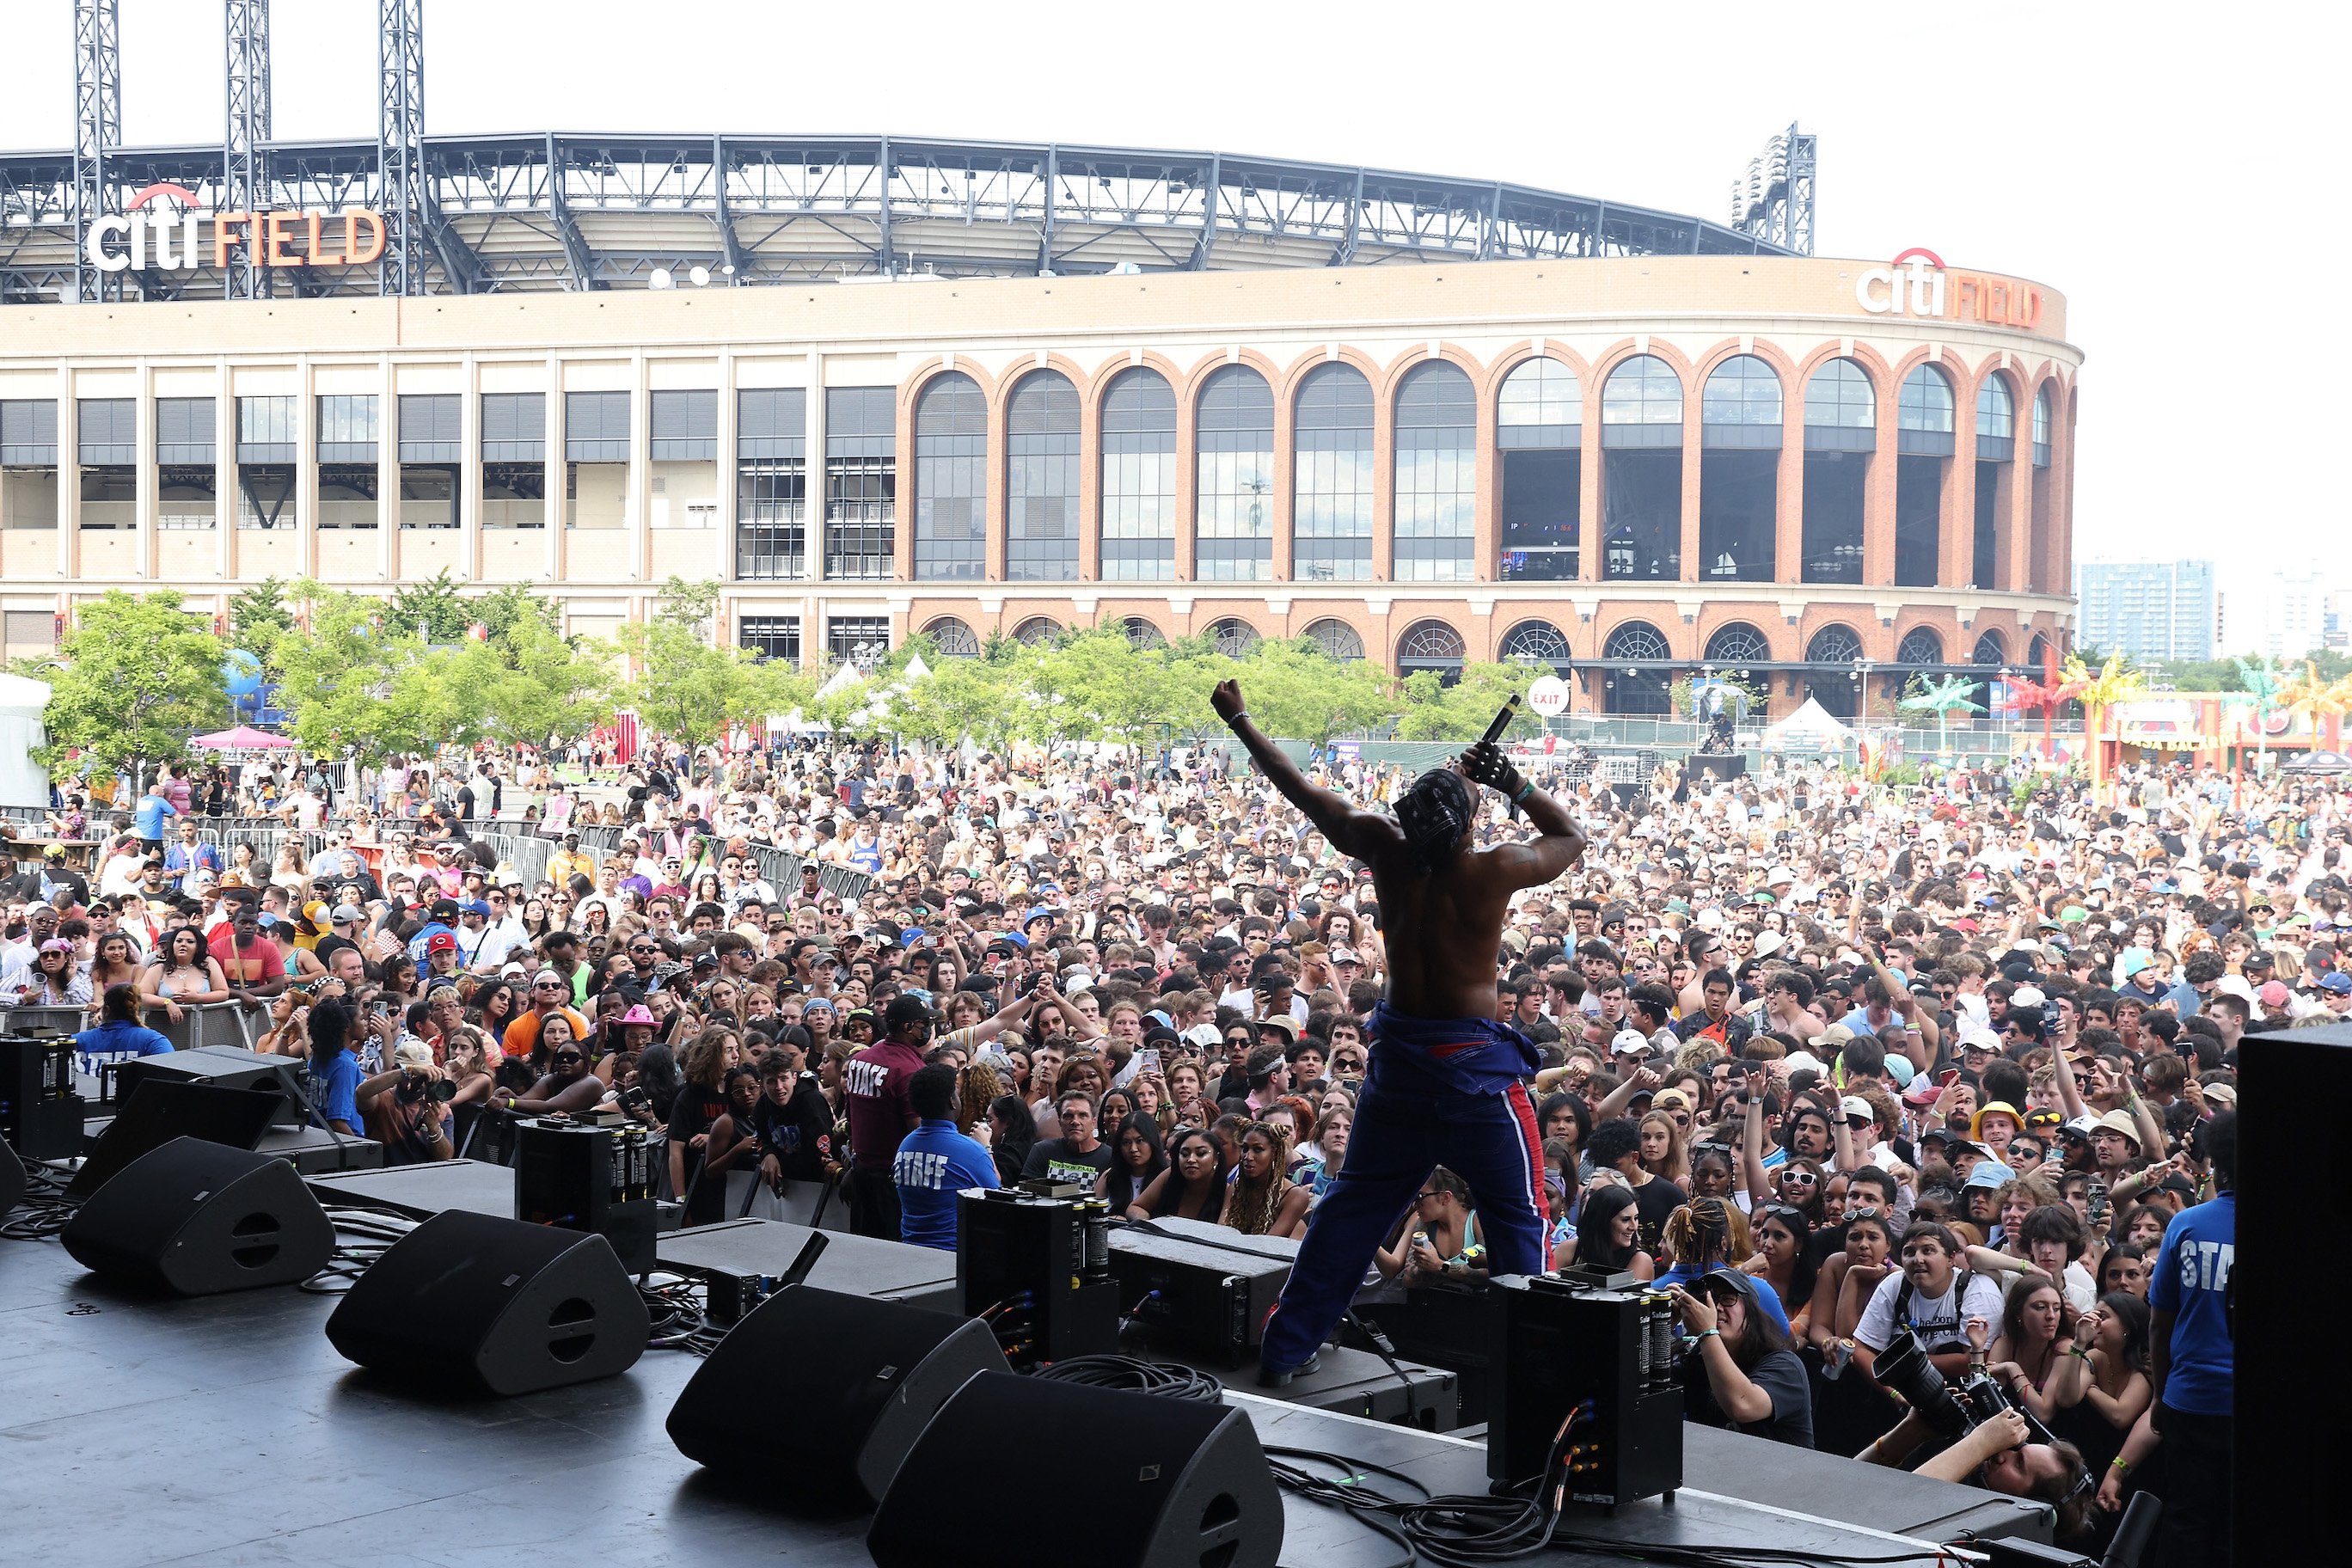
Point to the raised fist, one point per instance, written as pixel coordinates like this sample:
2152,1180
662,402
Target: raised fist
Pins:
1484,764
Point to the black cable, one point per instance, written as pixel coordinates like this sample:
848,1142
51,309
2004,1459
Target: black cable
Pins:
1169,1379
37,1219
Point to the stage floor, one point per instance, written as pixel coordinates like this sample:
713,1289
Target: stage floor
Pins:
226,1430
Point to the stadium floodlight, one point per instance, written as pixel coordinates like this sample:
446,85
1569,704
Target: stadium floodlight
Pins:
700,275
661,278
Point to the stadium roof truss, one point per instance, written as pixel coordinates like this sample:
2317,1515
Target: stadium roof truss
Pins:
565,211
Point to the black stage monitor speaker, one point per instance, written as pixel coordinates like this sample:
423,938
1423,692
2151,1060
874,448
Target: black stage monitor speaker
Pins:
476,1303
11,1179
224,1067
1151,1483
197,1219
162,1110
827,1392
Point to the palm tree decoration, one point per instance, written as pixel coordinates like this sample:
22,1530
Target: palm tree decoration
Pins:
1939,699
2262,682
2099,693
2315,700
2025,696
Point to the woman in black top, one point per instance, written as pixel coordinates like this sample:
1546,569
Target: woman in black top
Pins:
1011,1133
1136,1160
1193,1184
699,1105
1740,1371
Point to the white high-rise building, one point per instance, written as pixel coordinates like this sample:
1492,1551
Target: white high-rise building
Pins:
2280,614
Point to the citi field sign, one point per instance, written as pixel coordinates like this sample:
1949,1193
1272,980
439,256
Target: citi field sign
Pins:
178,237
1917,283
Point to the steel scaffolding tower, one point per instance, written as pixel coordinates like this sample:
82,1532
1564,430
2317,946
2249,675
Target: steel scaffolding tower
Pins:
243,180
406,193
98,131
1774,200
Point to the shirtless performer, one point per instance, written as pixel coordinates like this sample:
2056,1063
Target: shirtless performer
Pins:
1446,1084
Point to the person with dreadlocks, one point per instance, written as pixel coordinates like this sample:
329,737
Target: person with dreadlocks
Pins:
1446,1084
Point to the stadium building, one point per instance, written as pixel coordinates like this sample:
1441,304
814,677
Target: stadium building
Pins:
878,387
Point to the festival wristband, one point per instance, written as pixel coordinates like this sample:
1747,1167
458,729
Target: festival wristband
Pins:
1524,790
1705,1334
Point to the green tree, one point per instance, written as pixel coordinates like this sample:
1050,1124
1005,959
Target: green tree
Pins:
986,699
1194,667
682,684
527,684
1461,711
432,609
135,677
259,616
348,685
1097,684
1299,692
509,604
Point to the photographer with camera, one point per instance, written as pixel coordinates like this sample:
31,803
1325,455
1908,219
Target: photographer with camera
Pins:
1932,1297
408,1109
1989,1441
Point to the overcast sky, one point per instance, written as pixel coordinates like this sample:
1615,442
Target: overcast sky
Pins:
2172,176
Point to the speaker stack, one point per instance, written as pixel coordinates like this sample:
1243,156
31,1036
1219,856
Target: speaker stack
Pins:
480,1304
197,1219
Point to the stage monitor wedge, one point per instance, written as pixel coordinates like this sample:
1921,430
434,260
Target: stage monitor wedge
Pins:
198,1219
473,1303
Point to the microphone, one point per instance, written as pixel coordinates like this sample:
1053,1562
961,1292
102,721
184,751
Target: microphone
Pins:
1502,722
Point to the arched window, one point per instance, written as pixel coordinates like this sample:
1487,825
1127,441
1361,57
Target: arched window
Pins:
1538,434
1920,645
1996,445
1041,480
1139,477
1436,473
1992,653
1332,491
1739,471
2037,655
1234,504
1836,683
950,481
1339,639
1642,471
1233,636
1923,436
1037,630
1738,644
1630,688
1841,434
955,639
1434,645
1141,633
1537,641
2041,568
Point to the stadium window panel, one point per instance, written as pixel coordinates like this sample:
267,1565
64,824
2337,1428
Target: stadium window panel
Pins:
1835,484
861,640
264,495
861,483
1642,471
347,495
1139,478
1991,506
1627,686
1040,479
771,484
347,428
28,462
1436,474
772,637
1918,520
1331,493
514,495
186,497
1538,434
1232,518
950,481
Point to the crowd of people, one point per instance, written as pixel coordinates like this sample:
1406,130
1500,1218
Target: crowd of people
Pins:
1840,1067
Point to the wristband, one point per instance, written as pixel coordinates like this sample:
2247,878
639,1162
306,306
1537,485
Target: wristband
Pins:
1524,790
2117,1463
1237,718
1706,1334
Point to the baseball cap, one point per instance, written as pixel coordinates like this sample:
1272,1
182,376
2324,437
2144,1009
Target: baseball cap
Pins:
2336,983
1988,1173
441,941
1344,954
347,912
2119,1121
413,1054
2079,1128
473,907
1856,1110
2272,993
1627,1041
1675,1097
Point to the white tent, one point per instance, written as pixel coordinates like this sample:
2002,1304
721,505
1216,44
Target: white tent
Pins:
1809,729
22,782
846,679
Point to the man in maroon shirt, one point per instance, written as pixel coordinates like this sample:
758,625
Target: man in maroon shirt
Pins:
881,1113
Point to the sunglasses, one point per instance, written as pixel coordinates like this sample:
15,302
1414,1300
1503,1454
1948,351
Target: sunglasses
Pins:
1797,1178
568,1057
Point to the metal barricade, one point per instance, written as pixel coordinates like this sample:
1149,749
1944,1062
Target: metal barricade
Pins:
40,1020
844,881
211,1023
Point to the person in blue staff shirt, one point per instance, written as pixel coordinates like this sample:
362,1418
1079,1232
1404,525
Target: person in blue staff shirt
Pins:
2192,1360
935,1162
334,1075
120,1035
